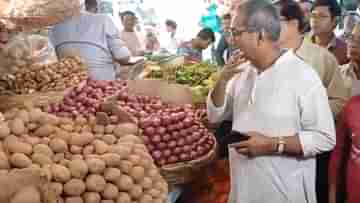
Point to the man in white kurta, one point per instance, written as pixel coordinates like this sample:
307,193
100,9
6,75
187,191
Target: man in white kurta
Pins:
286,100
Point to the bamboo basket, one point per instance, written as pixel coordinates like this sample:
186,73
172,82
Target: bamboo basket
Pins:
30,100
186,172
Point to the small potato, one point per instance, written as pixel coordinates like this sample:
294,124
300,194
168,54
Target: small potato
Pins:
136,192
48,119
43,149
135,159
146,183
130,139
35,115
100,147
64,162
76,149
58,145
19,160
126,129
62,134
95,183
44,131
92,197
67,127
96,166
86,129
17,126
27,195
74,200
146,199
123,151
81,139
154,193
77,157
58,157
89,149
112,174
109,129
107,201
74,187
80,120
78,168
110,191
138,173
124,183
4,161
111,159
13,145
4,130
99,129
123,198
126,166
32,140
32,126
41,159
61,174
109,139
57,188
24,116
45,141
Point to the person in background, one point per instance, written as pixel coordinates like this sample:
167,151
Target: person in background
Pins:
306,9
222,52
325,64
129,36
279,103
350,19
192,50
91,8
323,21
351,71
95,38
152,43
170,40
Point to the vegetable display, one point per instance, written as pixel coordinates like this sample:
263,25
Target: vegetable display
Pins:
86,162
43,78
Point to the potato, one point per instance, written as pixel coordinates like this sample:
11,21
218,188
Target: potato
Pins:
74,200
64,162
4,130
146,199
13,145
48,119
77,129
62,134
126,129
35,115
78,168
44,131
109,129
27,195
152,173
45,141
92,197
57,188
146,183
130,139
67,127
146,162
43,149
89,149
17,126
100,147
24,116
124,183
86,128
109,139
61,174
99,129
80,120
112,174
154,193
74,187
134,159
19,160
41,159
81,139
32,126
107,201
111,159
136,192
77,157
96,166
4,161
58,157
76,149
47,171
95,183
58,145
137,173
110,191
123,151
123,198
32,140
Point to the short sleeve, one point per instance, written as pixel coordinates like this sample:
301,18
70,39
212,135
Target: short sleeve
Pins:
115,44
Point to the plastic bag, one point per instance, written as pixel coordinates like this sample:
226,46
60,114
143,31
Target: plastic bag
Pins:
25,50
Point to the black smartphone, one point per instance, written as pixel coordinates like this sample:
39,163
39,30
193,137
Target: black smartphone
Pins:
235,137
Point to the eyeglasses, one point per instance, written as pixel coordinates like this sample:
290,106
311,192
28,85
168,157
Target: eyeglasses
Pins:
236,32
319,16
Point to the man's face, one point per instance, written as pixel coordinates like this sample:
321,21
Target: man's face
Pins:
354,45
288,31
129,22
203,44
241,38
321,20
226,25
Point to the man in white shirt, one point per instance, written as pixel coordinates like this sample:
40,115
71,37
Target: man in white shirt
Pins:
131,38
280,103
95,38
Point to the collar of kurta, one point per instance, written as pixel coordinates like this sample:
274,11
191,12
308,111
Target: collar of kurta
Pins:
331,45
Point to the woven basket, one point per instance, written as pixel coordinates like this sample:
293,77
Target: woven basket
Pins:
186,172
30,100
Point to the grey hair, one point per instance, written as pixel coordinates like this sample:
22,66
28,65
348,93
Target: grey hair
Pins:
262,16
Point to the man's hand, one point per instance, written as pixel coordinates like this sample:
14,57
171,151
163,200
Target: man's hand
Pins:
231,68
257,145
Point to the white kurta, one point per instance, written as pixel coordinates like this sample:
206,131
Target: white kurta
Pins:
286,99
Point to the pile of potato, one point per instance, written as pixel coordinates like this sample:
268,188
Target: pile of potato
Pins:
58,76
86,162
